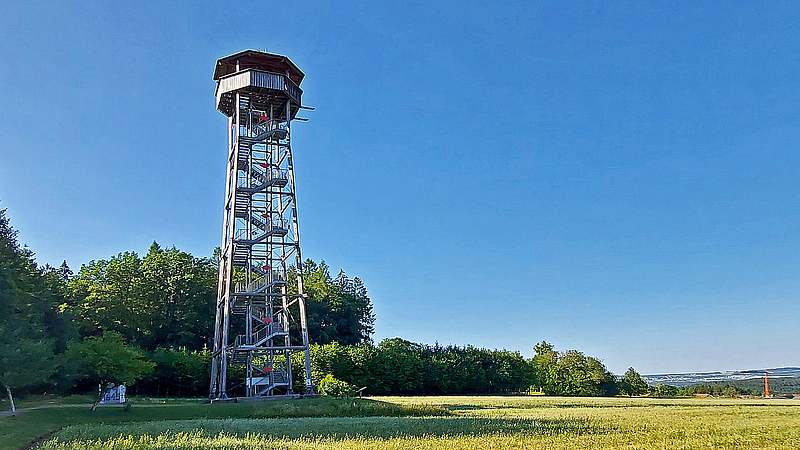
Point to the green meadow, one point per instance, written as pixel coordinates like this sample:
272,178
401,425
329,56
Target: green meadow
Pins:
413,422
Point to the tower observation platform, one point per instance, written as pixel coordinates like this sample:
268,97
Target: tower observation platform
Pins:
260,309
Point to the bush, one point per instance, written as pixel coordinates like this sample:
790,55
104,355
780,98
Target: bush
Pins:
332,387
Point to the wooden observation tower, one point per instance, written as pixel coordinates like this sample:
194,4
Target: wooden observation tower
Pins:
260,319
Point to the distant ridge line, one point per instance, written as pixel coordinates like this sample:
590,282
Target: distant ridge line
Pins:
689,378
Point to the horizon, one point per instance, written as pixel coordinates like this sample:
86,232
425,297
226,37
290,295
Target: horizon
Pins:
617,179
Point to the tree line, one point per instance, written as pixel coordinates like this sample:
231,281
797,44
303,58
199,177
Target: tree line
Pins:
148,321
142,320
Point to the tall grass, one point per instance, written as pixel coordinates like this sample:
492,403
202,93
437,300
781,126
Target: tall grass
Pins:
16,432
453,423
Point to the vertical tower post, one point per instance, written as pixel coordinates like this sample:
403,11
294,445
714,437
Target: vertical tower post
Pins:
260,320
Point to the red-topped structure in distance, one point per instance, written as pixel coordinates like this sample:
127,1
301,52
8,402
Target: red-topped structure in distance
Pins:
260,318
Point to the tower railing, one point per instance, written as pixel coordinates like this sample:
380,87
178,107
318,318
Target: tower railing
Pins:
265,178
260,336
276,226
258,79
262,283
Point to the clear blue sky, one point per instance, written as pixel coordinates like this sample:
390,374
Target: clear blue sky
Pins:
615,177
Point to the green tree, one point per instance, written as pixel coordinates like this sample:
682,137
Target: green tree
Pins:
455,370
24,362
106,295
60,325
28,316
730,391
632,383
333,358
107,359
506,372
663,390
570,373
338,310
181,291
178,371
545,368
166,297
360,372
580,375
396,368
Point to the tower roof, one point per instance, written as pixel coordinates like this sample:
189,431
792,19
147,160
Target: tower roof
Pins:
254,59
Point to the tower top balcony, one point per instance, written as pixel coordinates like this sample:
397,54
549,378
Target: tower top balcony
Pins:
254,59
267,75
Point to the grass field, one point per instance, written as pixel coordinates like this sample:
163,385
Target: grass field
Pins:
419,423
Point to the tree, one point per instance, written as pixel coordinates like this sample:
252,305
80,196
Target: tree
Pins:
178,371
338,310
166,297
59,324
24,362
396,367
632,383
570,373
455,370
333,358
663,390
105,295
507,372
545,370
181,291
26,302
580,375
108,359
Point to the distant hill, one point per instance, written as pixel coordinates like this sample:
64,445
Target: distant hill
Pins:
782,380
686,379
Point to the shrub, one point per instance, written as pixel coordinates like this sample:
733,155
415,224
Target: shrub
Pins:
332,387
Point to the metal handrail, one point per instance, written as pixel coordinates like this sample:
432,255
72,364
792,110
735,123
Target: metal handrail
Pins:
262,282
260,335
268,125
269,175
264,178
276,224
